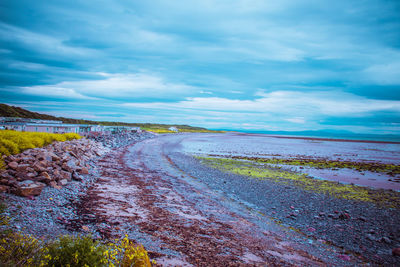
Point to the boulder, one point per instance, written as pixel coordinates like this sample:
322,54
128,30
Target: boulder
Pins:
22,167
11,158
44,177
21,175
73,154
37,166
63,182
5,175
396,251
45,163
13,165
65,175
4,188
69,166
31,175
55,174
76,177
29,188
53,156
54,185
84,170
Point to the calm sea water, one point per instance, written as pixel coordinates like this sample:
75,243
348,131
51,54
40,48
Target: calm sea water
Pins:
259,145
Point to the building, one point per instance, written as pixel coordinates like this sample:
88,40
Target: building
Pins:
50,126
174,129
42,126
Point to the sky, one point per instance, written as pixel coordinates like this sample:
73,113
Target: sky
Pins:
250,65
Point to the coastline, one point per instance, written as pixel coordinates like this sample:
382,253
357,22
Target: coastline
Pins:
150,190
316,138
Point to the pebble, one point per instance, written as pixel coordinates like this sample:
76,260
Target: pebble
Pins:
396,251
386,240
361,218
371,237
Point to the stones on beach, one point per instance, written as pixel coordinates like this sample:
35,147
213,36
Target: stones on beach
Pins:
84,170
386,240
63,182
13,165
29,188
396,251
4,188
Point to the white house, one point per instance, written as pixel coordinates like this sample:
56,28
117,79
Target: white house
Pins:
174,129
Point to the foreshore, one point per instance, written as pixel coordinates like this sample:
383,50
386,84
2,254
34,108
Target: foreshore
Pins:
160,199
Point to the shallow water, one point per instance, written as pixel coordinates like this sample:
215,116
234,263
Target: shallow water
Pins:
257,145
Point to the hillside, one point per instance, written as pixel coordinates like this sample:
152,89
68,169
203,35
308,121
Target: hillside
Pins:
12,111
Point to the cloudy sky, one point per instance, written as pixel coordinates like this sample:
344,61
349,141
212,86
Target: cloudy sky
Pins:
244,64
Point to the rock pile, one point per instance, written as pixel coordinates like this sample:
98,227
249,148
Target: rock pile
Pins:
26,174
115,140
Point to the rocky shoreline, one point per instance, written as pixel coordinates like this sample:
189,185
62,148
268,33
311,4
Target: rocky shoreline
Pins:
96,165
42,186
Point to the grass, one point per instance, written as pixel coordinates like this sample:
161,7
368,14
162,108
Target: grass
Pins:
14,142
259,170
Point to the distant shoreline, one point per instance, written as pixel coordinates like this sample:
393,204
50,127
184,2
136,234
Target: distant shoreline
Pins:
329,139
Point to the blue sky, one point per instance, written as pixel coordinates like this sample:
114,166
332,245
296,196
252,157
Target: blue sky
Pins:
245,64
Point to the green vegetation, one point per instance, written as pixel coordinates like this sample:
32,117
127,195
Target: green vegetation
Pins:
390,169
17,249
13,142
11,111
161,129
259,170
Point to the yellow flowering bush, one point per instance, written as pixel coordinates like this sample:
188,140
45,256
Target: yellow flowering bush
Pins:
126,253
13,142
17,249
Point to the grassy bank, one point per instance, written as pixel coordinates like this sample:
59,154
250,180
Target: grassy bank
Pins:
260,170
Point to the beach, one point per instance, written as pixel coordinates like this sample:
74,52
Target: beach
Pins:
186,198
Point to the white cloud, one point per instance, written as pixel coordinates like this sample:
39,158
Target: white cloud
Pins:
384,74
289,105
41,43
299,120
54,91
114,85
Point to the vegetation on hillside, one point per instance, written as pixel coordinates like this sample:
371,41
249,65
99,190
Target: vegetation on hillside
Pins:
11,111
13,142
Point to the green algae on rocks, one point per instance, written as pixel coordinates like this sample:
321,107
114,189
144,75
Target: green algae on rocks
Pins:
257,169
320,163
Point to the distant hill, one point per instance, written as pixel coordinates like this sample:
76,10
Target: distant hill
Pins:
11,111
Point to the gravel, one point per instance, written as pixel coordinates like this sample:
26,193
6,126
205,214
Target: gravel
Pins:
361,228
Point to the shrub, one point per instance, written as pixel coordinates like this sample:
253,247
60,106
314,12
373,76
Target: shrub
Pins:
75,251
72,136
8,147
19,250
37,141
132,254
23,142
